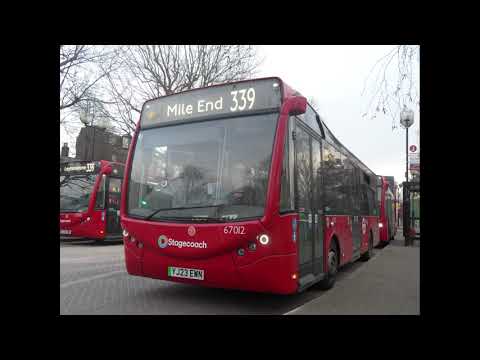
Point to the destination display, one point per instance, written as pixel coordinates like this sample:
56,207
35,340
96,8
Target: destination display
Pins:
229,99
79,167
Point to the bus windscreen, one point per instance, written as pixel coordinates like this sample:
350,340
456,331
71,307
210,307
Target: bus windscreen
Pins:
75,192
211,169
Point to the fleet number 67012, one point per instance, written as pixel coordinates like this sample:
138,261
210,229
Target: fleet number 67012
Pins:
234,229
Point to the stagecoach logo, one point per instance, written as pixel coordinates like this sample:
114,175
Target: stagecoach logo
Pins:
164,241
191,231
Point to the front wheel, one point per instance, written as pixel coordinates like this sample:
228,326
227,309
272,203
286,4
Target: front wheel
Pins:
329,281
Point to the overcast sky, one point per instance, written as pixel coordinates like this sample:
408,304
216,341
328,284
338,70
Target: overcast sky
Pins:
335,77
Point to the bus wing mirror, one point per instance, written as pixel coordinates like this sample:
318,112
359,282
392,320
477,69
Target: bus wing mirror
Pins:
108,170
298,106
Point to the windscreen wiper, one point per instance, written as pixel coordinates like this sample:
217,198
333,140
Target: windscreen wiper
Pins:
208,219
192,219
181,208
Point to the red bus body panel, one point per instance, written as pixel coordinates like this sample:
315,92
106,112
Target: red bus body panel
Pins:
80,227
339,226
268,268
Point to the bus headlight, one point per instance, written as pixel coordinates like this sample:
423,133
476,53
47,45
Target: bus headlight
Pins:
380,225
125,233
264,239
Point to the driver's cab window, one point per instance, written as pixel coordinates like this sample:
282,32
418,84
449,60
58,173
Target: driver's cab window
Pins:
286,189
100,198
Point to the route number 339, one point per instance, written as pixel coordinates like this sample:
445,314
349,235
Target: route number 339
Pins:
241,97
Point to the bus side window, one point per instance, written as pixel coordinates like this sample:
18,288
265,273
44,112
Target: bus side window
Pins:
100,198
371,201
348,187
364,209
345,185
355,190
333,179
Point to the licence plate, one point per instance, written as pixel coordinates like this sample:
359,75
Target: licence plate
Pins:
185,273
65,232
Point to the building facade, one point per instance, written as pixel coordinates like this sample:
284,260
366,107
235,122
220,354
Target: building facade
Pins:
95,143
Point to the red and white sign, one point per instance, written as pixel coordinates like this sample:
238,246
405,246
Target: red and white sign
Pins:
413,148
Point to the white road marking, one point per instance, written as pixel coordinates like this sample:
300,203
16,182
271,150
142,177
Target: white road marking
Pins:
75,282
296,309
85,259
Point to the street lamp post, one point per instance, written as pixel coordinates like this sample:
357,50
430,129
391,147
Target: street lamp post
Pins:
87,119
406,119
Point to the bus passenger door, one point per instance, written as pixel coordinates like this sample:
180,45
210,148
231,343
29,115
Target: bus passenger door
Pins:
113,206
317,207
356,218
310,242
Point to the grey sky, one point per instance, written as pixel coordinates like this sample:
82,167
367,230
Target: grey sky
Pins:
335,77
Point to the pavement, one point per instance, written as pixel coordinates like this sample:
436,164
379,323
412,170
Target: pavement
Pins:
388,284
93,280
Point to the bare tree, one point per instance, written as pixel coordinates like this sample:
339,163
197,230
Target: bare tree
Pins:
78,75
80,80
150,71
395,83
117,80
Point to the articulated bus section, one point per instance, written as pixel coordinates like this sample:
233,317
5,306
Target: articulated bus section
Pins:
243,186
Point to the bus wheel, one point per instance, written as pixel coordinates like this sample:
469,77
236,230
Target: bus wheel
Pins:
368,254
329,281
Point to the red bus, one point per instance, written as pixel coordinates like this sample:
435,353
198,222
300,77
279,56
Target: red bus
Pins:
394,188
243,186
90,194
387,220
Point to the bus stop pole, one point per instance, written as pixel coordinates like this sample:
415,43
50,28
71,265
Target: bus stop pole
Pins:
406,197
